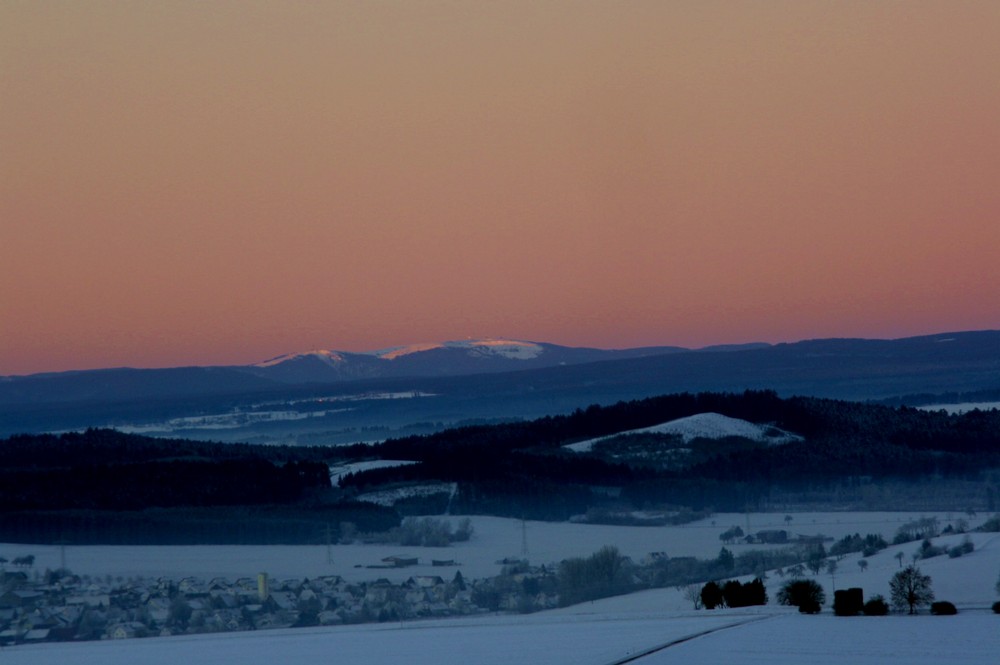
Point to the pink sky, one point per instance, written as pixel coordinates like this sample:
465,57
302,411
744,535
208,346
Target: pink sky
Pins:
222,182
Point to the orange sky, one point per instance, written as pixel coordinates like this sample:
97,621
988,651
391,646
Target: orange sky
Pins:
221,182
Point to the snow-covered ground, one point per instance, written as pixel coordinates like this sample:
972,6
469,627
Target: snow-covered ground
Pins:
494,538
961,408
701,425
341,470
504,348
595,633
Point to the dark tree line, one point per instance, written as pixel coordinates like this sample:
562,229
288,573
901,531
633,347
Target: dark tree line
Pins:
160,484
221,525
843,440
102,486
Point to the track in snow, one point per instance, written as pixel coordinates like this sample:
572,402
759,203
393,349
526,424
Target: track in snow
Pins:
631,658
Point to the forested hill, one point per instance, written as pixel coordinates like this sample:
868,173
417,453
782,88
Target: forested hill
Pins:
813,418
103,486
519,466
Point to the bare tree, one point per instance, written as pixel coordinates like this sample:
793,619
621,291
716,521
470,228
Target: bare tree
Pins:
910,589
863,564
692,593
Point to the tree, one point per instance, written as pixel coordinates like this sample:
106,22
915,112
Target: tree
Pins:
910,589
831,567
863,565
807,595
731,535
816,560
711,596
179,613
726,560
899,558
816,566
692,594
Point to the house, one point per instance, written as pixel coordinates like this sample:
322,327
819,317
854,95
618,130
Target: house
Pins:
772,537
401,561
424,581
9,580
127,630
37,635
11,636
329,618
20,598
654,558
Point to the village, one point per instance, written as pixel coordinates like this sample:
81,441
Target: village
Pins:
60,606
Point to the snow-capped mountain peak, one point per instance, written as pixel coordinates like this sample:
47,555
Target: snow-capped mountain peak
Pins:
331,358
505,348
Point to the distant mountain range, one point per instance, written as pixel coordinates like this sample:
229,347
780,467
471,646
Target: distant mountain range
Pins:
454,358
439,359
501,378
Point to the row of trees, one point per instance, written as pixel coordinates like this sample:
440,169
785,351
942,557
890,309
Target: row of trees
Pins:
909,590
733,593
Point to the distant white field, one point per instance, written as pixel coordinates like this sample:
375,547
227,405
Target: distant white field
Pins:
702,425
341,470
961,408
494,538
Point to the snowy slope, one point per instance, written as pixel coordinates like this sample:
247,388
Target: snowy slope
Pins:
494,538
331,358
702,425
595,633
341,470
605,632
505,348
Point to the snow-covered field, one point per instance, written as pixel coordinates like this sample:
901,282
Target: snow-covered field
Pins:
341,470
961,408
702,425
494,538
595,633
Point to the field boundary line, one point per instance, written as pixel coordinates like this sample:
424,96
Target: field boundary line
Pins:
687,638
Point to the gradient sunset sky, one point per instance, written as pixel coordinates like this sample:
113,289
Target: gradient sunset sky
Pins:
218,182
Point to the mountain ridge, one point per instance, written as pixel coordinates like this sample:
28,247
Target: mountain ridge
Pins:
457,387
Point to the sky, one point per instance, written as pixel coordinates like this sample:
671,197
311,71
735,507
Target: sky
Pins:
193,183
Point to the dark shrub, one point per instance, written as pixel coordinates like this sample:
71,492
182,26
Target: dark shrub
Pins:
807,595
735,594
876,607
996,607
848,602
711,596
943,608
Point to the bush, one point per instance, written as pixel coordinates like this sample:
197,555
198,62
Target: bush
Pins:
735,594
807,595
996,607
848,602
929,550
711,596
876,607
943,608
